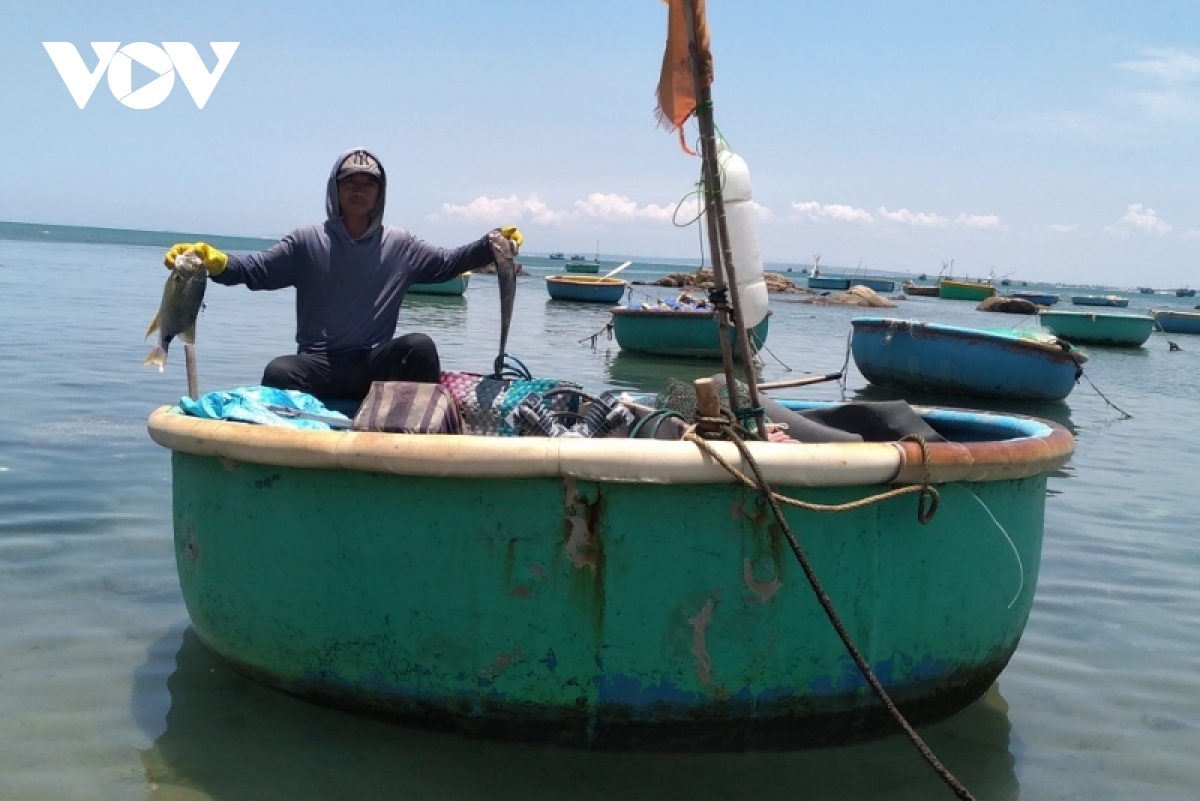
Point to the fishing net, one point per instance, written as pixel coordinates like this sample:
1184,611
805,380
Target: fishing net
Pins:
680,397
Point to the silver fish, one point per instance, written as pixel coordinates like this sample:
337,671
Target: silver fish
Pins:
181,300
504,250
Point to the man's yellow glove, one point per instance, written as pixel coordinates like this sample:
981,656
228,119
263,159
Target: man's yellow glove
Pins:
214,260
511,233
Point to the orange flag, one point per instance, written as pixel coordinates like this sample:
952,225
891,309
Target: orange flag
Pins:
676,89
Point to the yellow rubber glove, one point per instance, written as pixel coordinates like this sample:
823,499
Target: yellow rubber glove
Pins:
214,260
511,233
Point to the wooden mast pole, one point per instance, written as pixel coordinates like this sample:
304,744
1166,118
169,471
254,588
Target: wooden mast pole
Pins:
718,234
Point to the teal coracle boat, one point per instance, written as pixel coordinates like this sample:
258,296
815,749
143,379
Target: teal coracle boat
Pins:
585,288
455,286
1099,328
608,593
694,334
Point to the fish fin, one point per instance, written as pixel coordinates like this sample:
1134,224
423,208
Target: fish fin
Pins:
153,325
189,336
157,356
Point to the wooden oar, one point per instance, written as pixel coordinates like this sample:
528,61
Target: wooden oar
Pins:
800,382
616,270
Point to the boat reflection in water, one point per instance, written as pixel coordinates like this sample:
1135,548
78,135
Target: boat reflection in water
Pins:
228,737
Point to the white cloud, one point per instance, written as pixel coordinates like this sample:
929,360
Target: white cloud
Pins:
488,209
1167,64
1059,228
1169,105
918,218
598,205
1138,218
986,221
818,212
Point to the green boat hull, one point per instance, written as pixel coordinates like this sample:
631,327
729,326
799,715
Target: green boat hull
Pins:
455,286
607,614
670,333
964,290
1099,328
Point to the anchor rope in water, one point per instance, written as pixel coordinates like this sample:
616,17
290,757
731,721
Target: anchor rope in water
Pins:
818,589
1125,415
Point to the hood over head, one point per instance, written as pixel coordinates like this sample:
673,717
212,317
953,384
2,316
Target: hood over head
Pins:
354,161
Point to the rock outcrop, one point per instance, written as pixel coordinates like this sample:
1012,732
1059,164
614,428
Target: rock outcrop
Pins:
1001,303
857,295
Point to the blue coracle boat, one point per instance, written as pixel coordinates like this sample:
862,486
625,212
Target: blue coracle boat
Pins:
1040,298
1177,322
585,288
948,360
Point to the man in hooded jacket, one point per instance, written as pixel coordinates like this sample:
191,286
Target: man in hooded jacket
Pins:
351,274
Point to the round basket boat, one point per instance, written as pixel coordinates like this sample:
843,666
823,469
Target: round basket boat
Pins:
608,593
585,288
663,332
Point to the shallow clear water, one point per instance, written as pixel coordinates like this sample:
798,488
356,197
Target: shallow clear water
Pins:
105,693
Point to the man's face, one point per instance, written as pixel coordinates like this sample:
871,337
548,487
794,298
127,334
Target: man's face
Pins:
357,194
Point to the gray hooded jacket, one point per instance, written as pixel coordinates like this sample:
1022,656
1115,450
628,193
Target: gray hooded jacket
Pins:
349,291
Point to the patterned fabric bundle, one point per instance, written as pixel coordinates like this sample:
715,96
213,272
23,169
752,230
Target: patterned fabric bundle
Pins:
487,403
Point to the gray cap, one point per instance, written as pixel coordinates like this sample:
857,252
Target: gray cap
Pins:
359,161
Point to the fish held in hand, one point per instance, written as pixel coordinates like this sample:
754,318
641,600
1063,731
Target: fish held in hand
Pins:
182,298
504,251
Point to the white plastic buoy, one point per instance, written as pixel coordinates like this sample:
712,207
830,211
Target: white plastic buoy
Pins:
742,226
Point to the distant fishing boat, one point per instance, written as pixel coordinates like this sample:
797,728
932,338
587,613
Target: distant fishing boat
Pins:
954,289
582,267
1177,322
578,264
585,288
920,290
1100,300
1098,328
1146,290
694,334
1185,293
833,282
557,256
455,286
949,360
877,284
836,283
1040,298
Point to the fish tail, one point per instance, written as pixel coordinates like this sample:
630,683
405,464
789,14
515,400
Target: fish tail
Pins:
153,325
158,356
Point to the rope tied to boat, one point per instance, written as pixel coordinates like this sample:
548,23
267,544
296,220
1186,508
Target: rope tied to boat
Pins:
725,428
928,497
607,330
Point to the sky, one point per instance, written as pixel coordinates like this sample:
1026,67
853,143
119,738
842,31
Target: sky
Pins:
1047,140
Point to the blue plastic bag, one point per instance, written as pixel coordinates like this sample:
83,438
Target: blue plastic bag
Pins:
255,405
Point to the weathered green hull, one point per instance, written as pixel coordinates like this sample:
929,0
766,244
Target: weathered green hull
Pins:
671,333
455,286
601,613
1099,328
964,290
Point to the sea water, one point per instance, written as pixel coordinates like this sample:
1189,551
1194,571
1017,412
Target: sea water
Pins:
106,693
